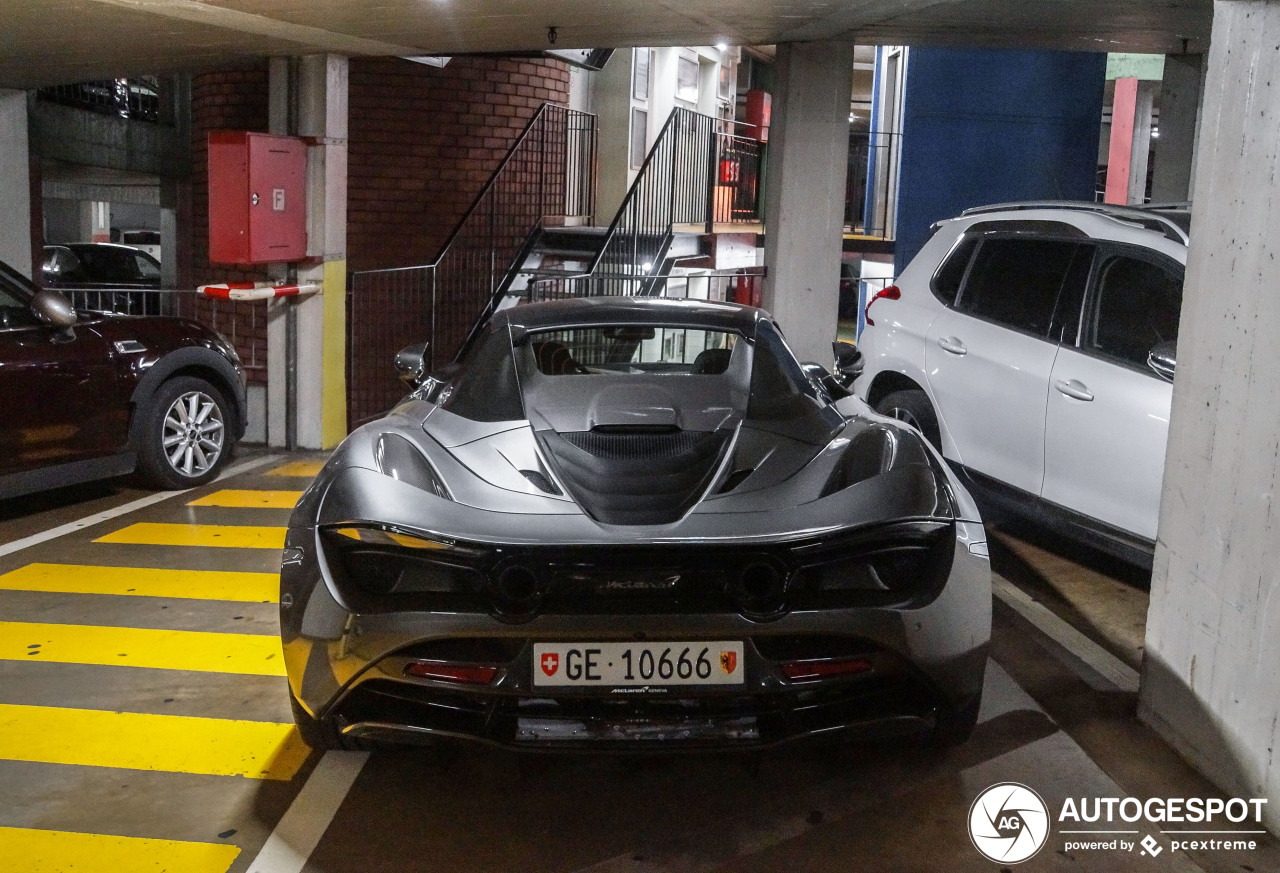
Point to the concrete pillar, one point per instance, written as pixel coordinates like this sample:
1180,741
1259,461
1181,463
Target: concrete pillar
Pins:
1179,120
319,110
95,221
804,193
1130,141
1213,631
15,184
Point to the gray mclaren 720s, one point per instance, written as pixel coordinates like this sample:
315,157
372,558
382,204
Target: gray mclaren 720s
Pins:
633,524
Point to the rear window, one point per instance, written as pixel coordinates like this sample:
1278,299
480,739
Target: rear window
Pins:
1016,282
632,349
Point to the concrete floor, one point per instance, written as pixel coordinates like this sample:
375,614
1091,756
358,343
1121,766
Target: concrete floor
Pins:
144,725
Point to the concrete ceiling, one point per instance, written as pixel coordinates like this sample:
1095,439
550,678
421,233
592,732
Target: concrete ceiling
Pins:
54,41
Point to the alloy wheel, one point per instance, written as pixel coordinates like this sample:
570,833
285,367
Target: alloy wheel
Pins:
193,434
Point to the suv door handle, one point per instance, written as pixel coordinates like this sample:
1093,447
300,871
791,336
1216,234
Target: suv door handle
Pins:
1074,388
952,344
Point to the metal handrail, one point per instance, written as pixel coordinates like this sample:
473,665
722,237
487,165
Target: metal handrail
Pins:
687,160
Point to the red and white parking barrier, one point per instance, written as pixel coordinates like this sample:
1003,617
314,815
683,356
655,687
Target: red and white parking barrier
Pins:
257,290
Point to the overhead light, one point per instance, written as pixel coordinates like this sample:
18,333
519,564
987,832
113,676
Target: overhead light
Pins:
722,46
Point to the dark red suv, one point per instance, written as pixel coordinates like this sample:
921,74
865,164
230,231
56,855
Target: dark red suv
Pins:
88,395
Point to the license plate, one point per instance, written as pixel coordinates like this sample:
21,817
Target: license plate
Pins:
613,664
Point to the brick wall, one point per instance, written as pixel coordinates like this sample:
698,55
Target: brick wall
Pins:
422,143
223,100
424,140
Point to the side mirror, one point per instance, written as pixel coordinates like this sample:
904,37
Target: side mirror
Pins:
848,362
1162,358
53,308
411,364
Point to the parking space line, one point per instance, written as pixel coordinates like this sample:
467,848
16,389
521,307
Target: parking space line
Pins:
144,582
298,832
247,654
24,850
1112,670
246,499
142,741
232,536
299,469
123,509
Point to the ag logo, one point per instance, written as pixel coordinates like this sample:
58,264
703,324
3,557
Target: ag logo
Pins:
1008,823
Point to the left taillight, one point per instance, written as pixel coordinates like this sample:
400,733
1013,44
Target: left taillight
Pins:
381,559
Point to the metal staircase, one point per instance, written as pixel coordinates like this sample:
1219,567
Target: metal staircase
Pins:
528,236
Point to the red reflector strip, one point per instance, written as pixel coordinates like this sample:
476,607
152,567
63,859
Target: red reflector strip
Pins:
470,674
803,671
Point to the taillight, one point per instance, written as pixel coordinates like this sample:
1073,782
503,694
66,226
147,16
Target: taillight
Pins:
809,671
469,674
893,292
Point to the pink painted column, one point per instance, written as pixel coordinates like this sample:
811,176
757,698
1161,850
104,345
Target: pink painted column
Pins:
1120,154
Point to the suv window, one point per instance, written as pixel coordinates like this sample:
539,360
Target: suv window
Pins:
946,282
1016,282
1136,306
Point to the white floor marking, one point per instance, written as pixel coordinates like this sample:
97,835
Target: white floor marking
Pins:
1116,672
299,831
123,509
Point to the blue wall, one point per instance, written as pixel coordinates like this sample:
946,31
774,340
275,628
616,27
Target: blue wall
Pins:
984,126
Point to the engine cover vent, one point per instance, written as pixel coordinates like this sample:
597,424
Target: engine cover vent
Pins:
635,478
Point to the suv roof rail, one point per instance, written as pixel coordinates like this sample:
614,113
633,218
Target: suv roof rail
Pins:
1149,216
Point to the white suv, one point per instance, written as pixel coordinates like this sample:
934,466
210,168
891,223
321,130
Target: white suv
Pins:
1034,344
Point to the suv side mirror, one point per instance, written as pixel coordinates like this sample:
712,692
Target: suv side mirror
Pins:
53,308
848,362
411,364
1163,358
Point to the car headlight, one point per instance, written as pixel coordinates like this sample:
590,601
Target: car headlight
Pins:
396,457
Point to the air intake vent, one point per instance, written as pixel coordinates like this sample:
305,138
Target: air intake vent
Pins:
734,479
638,446
541,482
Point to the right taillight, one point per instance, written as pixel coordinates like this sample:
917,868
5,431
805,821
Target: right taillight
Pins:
892,292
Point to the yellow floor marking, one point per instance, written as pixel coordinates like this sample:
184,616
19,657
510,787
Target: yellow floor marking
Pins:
248,654
140,741
297,468
233,536
250,499
32,851
143,582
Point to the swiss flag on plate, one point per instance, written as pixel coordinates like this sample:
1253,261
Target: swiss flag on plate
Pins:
550,663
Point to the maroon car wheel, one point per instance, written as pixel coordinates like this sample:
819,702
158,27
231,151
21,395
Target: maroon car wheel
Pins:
185,434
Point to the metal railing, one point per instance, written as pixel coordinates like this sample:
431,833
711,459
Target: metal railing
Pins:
696,173
137,98
242,322
877,199
546,178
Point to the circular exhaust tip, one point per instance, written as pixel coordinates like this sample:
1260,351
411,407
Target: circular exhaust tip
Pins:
517,593
760,589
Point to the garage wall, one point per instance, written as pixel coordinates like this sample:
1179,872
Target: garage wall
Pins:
424,140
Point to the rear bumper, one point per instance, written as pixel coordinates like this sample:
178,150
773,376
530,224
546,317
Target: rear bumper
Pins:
891,700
